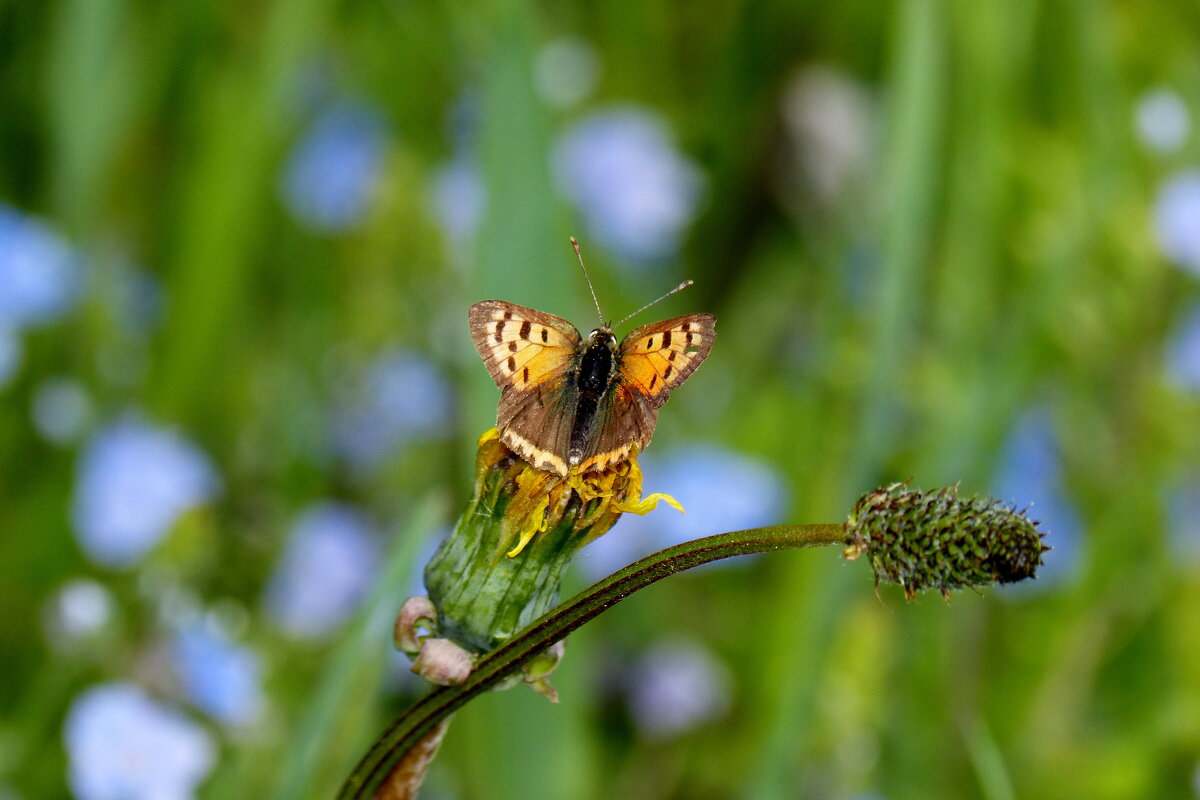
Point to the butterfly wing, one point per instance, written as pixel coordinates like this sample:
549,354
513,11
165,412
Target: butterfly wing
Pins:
529,354
656,358
652,361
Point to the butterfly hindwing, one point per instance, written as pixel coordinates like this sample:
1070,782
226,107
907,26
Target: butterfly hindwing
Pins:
625,420
536,423
656,358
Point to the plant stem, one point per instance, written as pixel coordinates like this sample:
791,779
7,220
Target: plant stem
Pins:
389,749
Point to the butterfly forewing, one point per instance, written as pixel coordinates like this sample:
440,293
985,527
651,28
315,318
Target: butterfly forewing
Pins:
521,347
658,357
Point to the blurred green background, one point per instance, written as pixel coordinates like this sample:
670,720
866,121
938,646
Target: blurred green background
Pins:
951,240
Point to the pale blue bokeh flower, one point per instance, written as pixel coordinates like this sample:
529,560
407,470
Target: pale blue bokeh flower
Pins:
676,686
566,71
831,121
1030,477
1177,219
133,481
1183,353
459,199
636,191
40,275
332,173
220,677
330,561
78,610
1162,120
1183,508
138,300
12,353
122,745
61,409
720,489
401,397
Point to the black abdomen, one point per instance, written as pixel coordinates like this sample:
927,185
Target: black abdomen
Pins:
595,373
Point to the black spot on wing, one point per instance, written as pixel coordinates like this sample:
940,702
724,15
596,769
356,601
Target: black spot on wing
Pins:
666,339
525,327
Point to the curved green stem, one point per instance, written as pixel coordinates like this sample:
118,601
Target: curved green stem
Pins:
411,726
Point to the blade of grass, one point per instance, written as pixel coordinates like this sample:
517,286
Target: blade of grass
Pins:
793,671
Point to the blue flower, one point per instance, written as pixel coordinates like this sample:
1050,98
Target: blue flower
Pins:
567,71
329,563
831,123
637,193
1183,353
221,678
122,745
138,300
61,409
80,609
133,482
1030,477
1177,219
332,172
1183,506
459,199
1162,120
401,397
11,354
677,686
40,275
721,490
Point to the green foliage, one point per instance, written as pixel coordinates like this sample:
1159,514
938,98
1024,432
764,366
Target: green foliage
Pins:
975,248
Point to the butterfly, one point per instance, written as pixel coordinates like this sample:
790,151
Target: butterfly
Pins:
575,405
570,405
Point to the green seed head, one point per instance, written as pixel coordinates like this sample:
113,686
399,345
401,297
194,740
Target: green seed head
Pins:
938,540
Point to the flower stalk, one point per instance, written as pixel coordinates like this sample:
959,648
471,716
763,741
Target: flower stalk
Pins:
487,619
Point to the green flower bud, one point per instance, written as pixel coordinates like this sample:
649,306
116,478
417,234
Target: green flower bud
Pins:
938,540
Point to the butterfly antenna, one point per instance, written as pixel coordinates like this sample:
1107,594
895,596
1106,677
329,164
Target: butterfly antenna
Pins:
588,278
678,288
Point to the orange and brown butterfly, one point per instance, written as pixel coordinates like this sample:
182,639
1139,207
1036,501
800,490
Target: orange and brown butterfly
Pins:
571,405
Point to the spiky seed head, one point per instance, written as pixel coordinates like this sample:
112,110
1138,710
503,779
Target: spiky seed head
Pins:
938,540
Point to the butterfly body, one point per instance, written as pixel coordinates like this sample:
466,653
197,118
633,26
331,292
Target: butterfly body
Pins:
574,405
594,379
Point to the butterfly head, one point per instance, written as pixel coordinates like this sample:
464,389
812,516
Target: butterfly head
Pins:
603,336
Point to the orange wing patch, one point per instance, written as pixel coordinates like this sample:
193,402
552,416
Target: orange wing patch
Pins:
657,358
521,347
